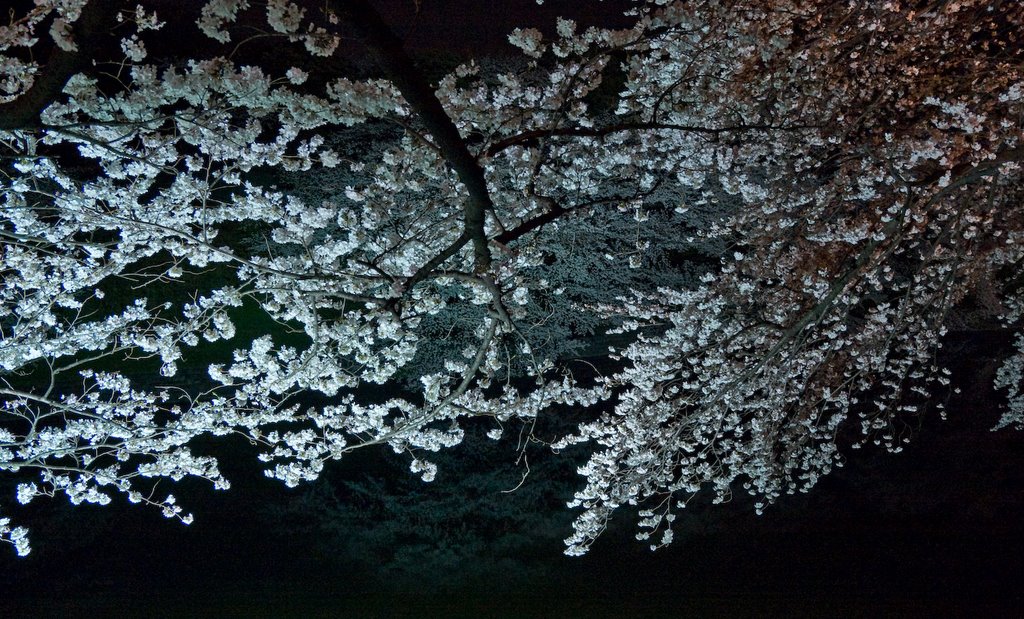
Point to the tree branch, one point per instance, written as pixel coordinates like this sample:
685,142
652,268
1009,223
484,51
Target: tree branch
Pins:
600,132
401,71
554,211
23,112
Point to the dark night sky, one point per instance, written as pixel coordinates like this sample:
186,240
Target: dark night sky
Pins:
479,26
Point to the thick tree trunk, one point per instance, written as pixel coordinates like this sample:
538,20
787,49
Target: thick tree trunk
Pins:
387,50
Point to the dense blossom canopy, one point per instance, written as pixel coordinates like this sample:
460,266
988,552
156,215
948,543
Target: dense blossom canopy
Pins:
779,204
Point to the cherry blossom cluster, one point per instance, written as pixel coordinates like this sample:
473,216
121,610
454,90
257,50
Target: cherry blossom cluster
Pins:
858,226
776,206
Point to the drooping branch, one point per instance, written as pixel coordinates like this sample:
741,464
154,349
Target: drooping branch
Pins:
387,50
23,112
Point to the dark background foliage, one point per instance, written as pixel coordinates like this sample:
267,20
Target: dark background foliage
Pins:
934,531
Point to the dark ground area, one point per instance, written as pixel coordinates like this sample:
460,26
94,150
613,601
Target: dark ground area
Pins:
934,531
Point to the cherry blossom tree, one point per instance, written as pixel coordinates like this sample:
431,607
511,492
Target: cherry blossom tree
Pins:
854,169
894,196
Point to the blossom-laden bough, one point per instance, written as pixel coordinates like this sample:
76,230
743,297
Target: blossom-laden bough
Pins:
317,240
